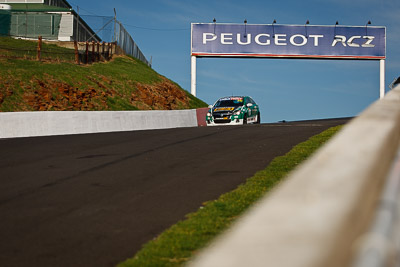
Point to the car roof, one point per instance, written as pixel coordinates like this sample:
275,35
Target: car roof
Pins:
231,97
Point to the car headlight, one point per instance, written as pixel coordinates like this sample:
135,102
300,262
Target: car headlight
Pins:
237,112
208,114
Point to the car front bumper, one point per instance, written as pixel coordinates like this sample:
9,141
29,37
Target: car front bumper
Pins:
224,122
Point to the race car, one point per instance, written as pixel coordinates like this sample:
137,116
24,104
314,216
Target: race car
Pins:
233,110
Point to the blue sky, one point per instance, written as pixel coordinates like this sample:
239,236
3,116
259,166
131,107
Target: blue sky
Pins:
285,89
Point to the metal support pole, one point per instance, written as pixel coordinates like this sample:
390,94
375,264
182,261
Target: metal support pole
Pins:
382,79
193,77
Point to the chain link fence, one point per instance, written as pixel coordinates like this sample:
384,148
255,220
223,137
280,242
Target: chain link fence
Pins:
111,30
125,41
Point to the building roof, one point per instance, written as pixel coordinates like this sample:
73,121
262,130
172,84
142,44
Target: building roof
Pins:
37,8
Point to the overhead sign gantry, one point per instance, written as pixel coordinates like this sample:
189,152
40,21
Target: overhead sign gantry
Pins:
288,41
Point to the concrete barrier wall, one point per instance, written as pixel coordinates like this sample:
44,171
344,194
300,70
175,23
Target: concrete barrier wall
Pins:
320,214
26,124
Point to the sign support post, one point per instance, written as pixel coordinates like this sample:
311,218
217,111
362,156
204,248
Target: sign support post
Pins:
382,78
193,76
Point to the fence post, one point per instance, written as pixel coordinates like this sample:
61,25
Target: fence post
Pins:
76,52
93,52
87,52
111,52
98,51
39,49
103,50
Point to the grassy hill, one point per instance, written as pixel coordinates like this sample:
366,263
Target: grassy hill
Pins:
123,83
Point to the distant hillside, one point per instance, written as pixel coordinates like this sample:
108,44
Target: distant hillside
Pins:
124,83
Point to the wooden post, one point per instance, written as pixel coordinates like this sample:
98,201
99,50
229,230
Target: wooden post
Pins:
39,49
103,50
76,52
111,53
98,51
93,52
87,52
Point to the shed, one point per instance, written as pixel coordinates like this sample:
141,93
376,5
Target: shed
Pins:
31,19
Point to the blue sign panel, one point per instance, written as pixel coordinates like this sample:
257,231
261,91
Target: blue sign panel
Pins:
288,41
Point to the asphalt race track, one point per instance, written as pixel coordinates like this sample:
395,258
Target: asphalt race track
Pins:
94,200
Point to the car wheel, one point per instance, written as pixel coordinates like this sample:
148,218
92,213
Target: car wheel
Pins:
258,118
245,119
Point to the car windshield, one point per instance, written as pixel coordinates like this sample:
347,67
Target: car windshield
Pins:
229,103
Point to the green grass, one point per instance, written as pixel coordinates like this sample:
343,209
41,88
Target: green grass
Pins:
180,242
118,79
25,49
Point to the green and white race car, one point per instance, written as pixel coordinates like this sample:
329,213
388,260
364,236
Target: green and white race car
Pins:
233,110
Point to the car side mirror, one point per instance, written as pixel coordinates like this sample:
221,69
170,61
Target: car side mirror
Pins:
210,106
249,104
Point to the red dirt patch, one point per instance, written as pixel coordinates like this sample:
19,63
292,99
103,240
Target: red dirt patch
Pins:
55,95
162,96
